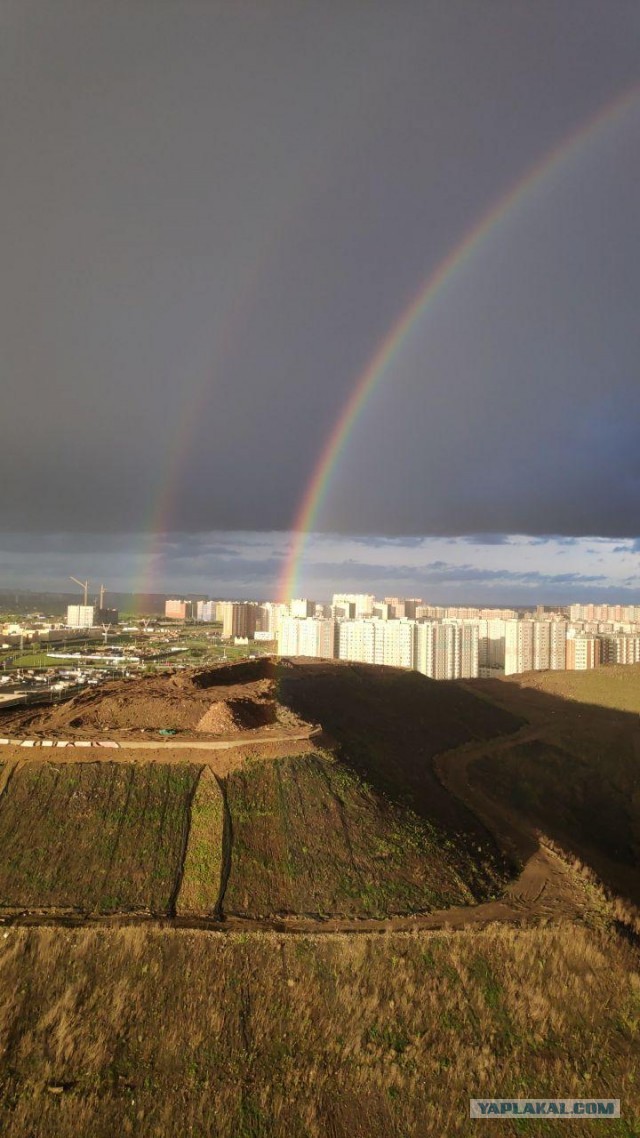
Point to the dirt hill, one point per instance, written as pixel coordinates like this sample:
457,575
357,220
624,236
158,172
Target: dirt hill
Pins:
360,828
225,973
216,701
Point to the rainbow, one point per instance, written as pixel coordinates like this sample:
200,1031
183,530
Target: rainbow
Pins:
381,361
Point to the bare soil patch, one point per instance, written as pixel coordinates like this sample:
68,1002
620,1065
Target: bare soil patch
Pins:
221,701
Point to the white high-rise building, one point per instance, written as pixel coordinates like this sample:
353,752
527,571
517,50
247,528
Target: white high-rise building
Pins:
447,650
558,645
519,638
302,607
362,603
390,642
541,645
307,636
399,643
272,614
358,640
80,616
583,651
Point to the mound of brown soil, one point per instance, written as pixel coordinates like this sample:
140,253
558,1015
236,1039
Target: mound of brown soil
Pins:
227,675
218,720
219,701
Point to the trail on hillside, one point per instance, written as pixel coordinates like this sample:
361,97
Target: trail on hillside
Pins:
546,888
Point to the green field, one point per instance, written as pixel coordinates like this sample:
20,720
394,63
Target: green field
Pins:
310,836
93,837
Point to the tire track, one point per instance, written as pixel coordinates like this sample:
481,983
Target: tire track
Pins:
227,846
184,842
8,772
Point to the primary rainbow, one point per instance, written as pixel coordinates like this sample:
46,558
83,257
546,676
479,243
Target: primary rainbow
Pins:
378,366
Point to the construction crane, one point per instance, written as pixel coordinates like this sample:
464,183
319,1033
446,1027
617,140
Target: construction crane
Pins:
83,585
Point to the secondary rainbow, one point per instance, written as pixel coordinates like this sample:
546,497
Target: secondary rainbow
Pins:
378,366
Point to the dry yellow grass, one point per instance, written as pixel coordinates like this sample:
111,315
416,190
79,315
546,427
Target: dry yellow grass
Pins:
265,1036
613,686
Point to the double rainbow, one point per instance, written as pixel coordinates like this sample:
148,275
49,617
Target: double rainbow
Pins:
380,363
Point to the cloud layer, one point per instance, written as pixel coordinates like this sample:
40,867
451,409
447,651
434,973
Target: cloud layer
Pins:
517,570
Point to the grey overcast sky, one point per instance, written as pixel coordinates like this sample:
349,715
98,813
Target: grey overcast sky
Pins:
212,214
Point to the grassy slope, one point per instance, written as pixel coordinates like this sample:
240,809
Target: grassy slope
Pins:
309,836
201,878
259,1036
93,836
568,796
580,782
613,686
388,724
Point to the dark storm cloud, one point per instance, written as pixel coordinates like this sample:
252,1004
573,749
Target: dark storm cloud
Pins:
487,538
213,213
219,565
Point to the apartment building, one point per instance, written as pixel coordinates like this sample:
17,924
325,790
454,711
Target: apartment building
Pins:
205,611
582,651
270,616
541,645
176,609
302,607
558,645
447,650
360,640
399,638
238,618
621,648
307,636
81,616
390,642
357,605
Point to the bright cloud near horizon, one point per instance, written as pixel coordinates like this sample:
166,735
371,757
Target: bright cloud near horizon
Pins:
211,218
484,569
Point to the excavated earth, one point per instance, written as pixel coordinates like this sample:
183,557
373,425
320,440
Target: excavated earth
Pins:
215,703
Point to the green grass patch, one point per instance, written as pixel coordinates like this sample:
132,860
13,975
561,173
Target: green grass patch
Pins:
201,879
310,836
93,837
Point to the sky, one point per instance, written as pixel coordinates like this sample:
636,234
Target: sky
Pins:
211,217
